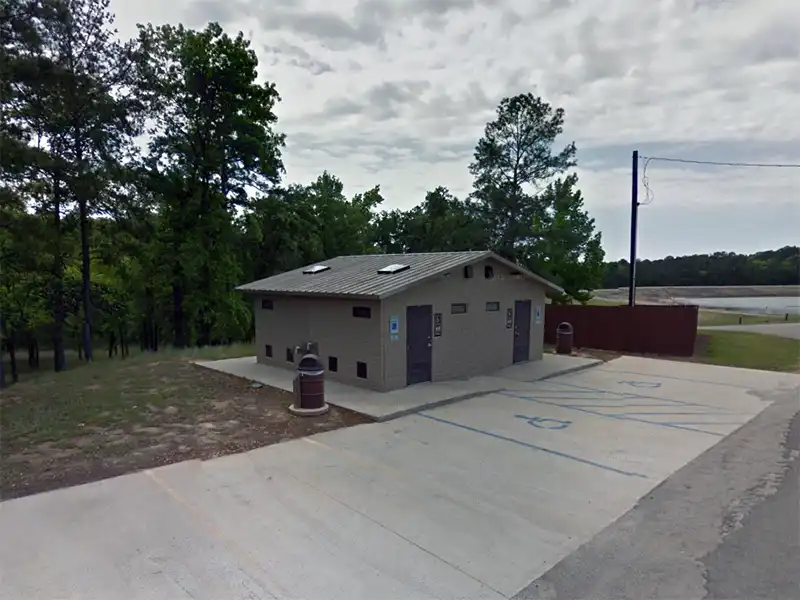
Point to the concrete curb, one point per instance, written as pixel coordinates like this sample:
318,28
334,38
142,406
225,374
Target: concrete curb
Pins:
430,405
435,404
454,399
381,419
574,369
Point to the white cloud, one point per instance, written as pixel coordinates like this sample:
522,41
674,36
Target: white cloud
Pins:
396,92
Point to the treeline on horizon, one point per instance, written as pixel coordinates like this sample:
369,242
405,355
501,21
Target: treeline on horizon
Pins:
771,267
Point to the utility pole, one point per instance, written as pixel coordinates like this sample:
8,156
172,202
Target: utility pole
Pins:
634,226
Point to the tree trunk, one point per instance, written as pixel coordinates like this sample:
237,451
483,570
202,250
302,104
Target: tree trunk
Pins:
178,316
2,364
59,356
123,342
86,274
112,344
33,350
12,357
143,338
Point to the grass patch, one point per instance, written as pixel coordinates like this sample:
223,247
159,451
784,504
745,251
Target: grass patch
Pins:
711,318
749,350
108,392
114,416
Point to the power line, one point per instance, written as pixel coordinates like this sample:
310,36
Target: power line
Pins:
648,193
647,159
649,197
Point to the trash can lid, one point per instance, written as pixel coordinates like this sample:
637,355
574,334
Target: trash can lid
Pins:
564,327
310,362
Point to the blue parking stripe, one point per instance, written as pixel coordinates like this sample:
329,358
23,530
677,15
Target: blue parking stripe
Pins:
534,447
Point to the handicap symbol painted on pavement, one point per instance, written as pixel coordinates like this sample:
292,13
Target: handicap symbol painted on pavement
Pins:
642,384
544,423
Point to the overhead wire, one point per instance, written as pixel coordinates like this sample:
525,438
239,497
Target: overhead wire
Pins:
649,196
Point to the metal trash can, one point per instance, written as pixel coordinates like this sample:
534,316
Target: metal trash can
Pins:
564,338
309,387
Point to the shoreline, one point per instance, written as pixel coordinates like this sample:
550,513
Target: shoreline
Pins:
663,294
721,299
668,294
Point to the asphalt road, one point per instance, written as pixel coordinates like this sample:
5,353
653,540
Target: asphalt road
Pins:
725,526
787,330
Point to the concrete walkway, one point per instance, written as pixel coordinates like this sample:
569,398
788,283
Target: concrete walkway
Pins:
787,330
383,406
470,500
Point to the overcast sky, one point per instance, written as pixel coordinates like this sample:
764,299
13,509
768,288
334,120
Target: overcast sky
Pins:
396,93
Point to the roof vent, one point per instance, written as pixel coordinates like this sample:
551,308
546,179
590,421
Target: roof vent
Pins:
393,269
315,269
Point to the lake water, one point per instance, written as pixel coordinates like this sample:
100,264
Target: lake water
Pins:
769,305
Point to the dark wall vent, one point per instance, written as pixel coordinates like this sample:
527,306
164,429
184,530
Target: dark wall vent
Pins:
362,312
361,370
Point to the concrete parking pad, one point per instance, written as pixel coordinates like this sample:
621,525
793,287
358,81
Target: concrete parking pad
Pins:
383,406
470,500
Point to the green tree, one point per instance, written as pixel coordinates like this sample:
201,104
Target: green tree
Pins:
213,140
513,161
343,226
443,223
87,121
564,243
771,267
35,174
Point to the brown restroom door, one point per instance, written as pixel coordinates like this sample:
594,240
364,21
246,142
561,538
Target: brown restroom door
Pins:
419,338
522,330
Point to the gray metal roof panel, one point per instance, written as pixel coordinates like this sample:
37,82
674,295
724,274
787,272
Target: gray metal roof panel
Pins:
357,276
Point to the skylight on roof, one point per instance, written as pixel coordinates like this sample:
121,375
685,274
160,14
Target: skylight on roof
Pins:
396,268
315,269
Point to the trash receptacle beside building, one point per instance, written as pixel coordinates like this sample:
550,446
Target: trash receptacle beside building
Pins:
564,338
309,388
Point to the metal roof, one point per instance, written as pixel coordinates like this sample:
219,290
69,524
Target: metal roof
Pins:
358,277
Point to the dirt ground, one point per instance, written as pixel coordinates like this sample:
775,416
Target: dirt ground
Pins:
101,421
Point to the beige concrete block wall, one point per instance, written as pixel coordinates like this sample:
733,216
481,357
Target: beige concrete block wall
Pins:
283,327
472,343
330,323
